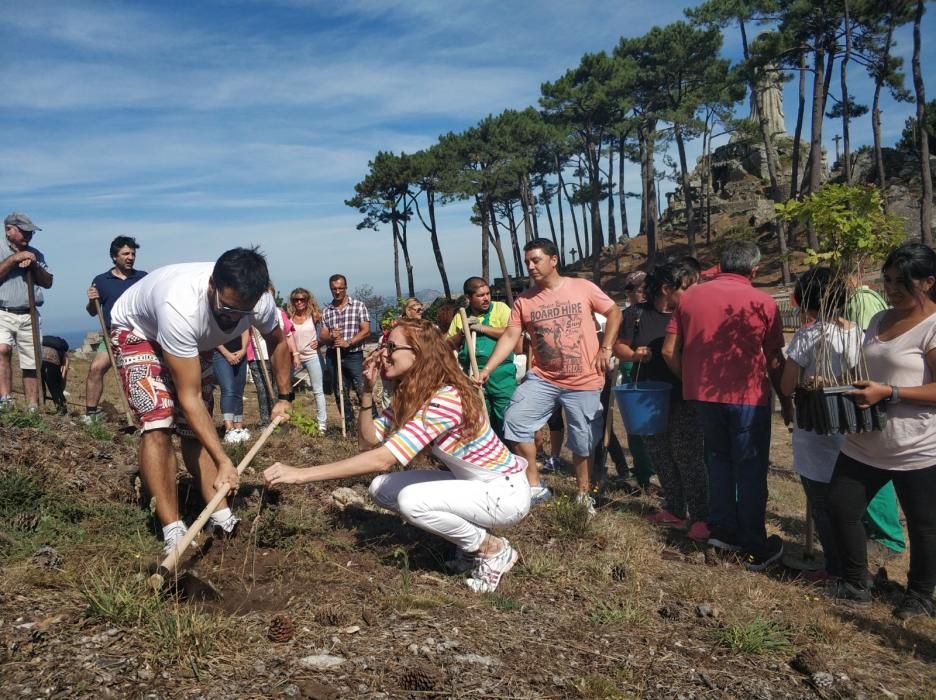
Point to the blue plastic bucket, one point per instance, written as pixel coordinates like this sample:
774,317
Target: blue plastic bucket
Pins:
644,406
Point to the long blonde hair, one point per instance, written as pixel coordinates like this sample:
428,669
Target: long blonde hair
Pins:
435,367
312,307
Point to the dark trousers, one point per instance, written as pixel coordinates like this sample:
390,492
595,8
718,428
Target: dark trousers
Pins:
738,439
853,486
263,399
680,462
352,375
817,494
52,379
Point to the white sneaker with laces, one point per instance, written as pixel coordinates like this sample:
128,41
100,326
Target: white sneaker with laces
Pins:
490,570
243,434
589,503
172,538
231,437
228,525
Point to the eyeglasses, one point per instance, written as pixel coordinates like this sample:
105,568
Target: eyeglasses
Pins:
296,300
230,309
392,347
337,289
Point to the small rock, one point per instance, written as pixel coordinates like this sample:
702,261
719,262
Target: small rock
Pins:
290,690
413,648
706,610
350,630
823,680
321,662
145,673
475,659
48,558
259,668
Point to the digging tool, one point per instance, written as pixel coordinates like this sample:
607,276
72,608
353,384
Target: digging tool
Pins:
341,408
267,383
37,343
807,561
169,564
131,425
472,359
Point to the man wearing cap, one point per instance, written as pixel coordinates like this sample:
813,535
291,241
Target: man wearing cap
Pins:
19,258
105,289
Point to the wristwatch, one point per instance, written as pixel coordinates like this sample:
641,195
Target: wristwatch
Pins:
291,396
895,395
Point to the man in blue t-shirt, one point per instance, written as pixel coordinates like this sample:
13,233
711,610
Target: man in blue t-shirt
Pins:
105,289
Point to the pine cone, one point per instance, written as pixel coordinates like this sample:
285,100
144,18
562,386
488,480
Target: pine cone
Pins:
330,617
26,521
808,662
618,572
281,628
419,678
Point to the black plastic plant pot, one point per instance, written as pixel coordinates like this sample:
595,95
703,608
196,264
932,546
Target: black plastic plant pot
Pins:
802,404
852,419
878,415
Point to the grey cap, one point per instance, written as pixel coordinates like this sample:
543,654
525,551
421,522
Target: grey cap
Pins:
21,221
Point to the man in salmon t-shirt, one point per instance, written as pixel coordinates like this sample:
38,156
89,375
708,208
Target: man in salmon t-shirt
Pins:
568,365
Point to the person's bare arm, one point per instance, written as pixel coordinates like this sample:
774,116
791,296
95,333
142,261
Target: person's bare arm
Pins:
505,345
367,429
789,378
186,375
379,459
362,334
605,350
672,353
870,393
282,370
42,276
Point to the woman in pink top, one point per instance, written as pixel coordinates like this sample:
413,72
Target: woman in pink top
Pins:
302,310
900,351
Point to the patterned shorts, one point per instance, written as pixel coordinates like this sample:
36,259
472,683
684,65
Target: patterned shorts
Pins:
148,385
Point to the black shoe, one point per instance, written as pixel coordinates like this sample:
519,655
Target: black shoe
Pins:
722,539
915,604
848,592
766,555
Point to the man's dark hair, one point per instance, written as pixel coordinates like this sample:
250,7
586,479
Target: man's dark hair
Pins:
543,244
335,278
740,257
243,270
122,242
473,284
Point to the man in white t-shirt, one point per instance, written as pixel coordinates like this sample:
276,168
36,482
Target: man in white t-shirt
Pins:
163,331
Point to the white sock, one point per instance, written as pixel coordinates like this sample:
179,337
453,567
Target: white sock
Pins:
220,516
173,528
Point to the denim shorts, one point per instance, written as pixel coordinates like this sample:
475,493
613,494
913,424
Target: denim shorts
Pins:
533,403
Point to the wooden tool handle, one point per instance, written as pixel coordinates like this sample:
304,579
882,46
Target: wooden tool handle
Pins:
472,358
169,563
37,343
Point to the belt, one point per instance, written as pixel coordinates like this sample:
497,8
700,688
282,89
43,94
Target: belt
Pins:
18,310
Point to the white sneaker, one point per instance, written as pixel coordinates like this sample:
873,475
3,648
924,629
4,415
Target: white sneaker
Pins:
228,526
539,494
89,418
487,575
232,437
173,537
589,503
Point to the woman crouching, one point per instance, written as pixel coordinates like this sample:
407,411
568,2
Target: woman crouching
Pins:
433,404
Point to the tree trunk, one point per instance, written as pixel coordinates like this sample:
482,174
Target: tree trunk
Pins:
485,238
622,194
687,192
585,236
578,241
549,216
404,244
876,113
499,249
926,201
798,130
396,253
648,185
612,232
524,190
514,243
560,189
815,139
436,250
843,80
594,185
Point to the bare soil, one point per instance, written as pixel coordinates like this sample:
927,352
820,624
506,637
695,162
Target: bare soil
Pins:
361,604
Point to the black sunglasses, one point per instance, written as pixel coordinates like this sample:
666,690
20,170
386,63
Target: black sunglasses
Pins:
392,347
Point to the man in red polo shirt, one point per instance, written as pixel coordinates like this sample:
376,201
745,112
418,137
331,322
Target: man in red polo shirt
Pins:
725,340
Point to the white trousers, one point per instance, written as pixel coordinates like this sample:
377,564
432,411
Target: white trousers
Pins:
458,510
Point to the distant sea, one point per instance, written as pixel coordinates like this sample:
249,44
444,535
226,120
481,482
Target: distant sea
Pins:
73,338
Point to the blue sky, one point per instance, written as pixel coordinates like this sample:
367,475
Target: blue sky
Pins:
198,126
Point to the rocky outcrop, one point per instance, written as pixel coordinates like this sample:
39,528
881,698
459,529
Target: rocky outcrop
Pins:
902,174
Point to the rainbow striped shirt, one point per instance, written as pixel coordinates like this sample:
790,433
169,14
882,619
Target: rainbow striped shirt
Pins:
439,423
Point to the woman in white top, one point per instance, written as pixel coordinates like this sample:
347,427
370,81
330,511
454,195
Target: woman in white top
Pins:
303,310
900,351
822,352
